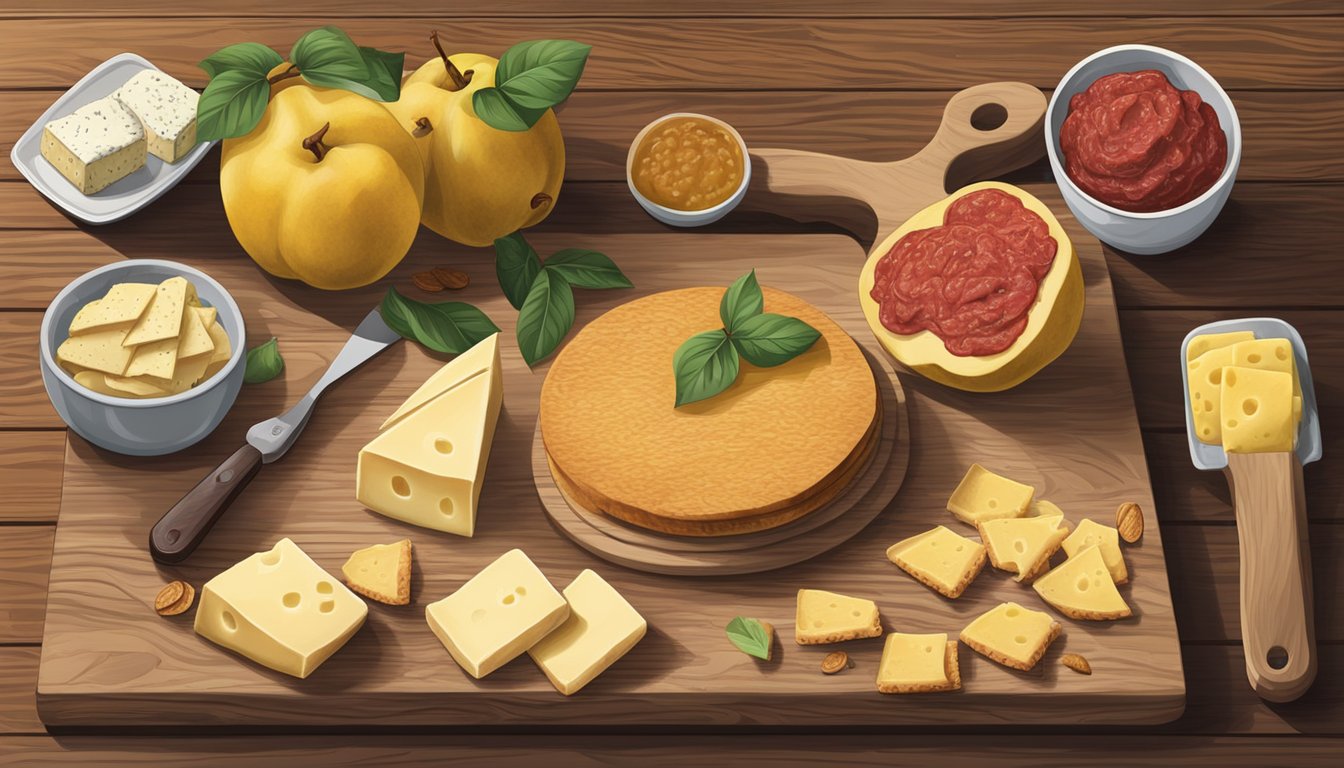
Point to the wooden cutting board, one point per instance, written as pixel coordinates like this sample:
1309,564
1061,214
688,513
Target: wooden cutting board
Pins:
1072,432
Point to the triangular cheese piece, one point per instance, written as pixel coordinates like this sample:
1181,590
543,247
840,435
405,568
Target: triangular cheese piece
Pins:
157,358
826,617
163,318
1081,588
186,374
207,314
1013,636
484,357
193,339
918,664
381,572
123,305
1023,545
1107,538
939,559
99,351
220,338
984,495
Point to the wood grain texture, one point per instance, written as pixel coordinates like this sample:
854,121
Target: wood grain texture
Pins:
23,582
18,687
31,465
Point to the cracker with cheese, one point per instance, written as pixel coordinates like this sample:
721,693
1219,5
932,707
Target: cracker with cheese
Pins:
1023,545
381,572
1011,635
827,617
918,664
1081,588
983,495
940,559
1093,534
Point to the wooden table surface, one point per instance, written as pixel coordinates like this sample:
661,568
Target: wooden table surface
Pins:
865,78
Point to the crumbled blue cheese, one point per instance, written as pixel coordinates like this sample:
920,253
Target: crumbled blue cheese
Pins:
167,110
100,143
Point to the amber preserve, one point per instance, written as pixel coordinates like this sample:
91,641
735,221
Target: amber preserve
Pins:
689,163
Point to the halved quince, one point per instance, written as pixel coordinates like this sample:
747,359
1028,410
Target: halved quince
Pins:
1052,321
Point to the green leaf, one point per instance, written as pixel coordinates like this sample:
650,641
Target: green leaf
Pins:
263,363
768,339
516,266
231,105
500,112
742,300
450,327
705,365
538,74
328,54
545,317
385,70
587,269
750,636
253,58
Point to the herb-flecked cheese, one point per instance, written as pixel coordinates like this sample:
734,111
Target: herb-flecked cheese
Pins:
166,109
99,144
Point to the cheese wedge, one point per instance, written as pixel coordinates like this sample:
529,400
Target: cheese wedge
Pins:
498,614
1013,636
918,664
1081,588
482,358
97,351
1258,411
279,609
1023,545
193,339
381,572
826,617
1207,341
1104,537
121,306
1205,375
983,495
601,628
940,559
163,318
1043,508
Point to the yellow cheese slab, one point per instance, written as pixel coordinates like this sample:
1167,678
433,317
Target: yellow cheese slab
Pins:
983,495
381,572
827,617
1257,410
481,358
1207,341
1106,538
1023,545
163,318
279,609
940,559
1268,355
498,614
1081,588
122,305
193,339
1205,375
1013,636
601,628
97,351
918,664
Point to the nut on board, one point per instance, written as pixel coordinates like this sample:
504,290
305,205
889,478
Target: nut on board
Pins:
1129,521
175,597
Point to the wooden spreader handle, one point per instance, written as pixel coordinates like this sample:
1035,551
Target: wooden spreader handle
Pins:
1277,631
183,528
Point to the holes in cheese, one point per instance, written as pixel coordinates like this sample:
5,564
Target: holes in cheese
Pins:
1082,588
827,617
1023,545
1260,409
1093,534
940,559
1206,372
918,664
1011,635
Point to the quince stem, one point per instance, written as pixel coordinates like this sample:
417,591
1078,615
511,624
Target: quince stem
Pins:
422,127
314,143
540,199
460,81
293,71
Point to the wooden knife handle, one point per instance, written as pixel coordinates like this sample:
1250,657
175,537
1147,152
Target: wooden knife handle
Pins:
1277,631
183,528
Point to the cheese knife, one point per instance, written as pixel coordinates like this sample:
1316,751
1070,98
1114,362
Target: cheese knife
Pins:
184,527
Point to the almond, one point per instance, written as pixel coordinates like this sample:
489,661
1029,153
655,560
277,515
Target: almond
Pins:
834,662
1129,521
175,597
1076,662
452,279
426,281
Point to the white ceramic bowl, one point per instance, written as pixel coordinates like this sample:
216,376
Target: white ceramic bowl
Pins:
1160,231
151,426
673,216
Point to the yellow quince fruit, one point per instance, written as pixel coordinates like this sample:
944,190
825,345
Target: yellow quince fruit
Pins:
326,189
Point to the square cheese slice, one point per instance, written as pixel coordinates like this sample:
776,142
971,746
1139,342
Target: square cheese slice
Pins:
983,495
1104,537
1081,588
827,617
166,109
98,351
96,146
1258,411
1207,341
498,614
1205,376
121,306
940,559
163,318
279,609
1023,545
601,628
918,664
1268,355
1013,636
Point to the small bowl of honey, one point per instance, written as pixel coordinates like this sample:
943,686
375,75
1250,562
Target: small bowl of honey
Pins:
688,170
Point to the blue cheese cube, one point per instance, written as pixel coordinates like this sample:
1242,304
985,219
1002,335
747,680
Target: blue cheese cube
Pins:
99,144
166,109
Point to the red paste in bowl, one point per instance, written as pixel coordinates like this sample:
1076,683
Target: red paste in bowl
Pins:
971,281
1135,142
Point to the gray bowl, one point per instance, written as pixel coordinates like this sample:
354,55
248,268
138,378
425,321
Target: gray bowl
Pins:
1160,231
141,427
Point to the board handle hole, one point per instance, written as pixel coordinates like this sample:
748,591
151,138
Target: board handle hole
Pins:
988,117
1277,658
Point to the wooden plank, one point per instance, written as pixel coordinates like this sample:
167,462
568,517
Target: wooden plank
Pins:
31,465
18,692
23,582
1220,700
23,400
1274,52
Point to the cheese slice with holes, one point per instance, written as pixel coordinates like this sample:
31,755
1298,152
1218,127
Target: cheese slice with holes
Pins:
381,572
1081,588
1023,545
983,495
498,614
1205,376
1258,411
918,664
940,559
279,609
1090,533
827,617
1268,355
1207,341
1013,636
601,628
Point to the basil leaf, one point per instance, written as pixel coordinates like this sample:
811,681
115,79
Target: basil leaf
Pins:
253,58
742,300
516,266
500,112
767,340
450,327
750,636
587,269
538,74
231,105
263,363
328,54
705,365
545,317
